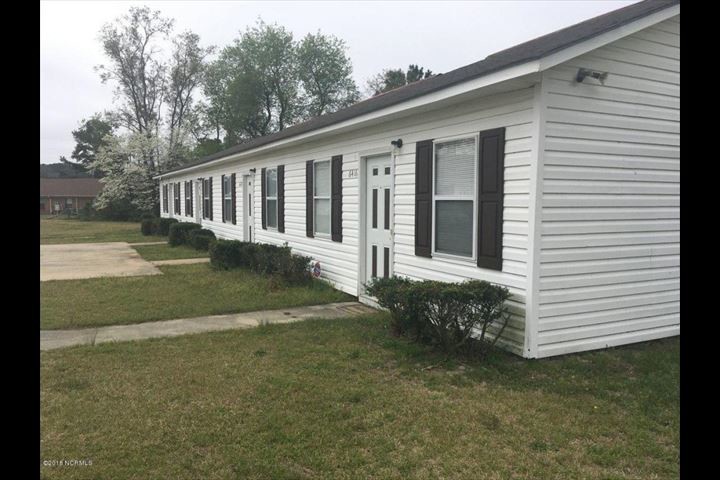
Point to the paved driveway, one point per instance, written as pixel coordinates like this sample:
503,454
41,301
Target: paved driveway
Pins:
90,260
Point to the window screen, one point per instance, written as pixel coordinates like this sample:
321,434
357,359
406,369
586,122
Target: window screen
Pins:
271,197
321,198
454,196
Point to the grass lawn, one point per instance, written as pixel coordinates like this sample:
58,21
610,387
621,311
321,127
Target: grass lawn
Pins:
166,252
182,291
341,399
59,230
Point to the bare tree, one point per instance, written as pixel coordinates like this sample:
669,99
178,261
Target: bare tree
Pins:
186,70
130,44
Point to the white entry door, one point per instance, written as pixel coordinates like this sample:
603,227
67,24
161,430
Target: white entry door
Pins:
378,205
248,213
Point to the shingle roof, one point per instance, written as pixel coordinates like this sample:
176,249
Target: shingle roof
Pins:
525,52
70,187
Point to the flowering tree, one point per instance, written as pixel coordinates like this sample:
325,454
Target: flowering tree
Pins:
129,188
155,108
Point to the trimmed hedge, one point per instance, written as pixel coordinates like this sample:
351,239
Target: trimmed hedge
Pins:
452,316
179,233
148,226
201,239
261,258
163,225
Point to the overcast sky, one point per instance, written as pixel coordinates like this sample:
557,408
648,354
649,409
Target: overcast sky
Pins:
440,35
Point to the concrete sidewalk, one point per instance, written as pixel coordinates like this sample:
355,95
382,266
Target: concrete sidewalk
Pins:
92,260
180,261
53,339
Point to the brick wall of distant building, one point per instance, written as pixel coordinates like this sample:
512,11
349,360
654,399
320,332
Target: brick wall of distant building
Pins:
59,204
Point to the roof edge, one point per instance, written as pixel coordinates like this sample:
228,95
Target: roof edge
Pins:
525,53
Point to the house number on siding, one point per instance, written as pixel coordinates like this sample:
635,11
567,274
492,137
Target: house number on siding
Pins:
350,173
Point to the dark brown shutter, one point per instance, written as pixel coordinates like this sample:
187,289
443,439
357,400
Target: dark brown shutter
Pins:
233,193
222,196
490,198
336,199
423,198
281,198
262,198
309,226
210,186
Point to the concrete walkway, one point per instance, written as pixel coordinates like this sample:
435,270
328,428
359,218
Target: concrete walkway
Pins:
180,261
141,244
53,339
92,260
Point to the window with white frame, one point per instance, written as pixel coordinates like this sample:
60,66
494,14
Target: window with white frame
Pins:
188,198
227,198
321,197
271,201
206,198
178,199
454,165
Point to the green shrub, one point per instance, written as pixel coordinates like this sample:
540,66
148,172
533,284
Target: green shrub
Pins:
278,262
119,210
162,225
179,233
201,239
225,254
452,316
148,226
87,212
395,294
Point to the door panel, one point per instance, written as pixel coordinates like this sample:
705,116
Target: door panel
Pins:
248,214
378,236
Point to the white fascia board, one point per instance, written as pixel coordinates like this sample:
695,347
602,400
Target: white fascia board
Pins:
608,37
440,95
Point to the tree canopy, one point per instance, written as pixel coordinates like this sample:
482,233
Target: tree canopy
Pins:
173,104
266,81
89,137
390,79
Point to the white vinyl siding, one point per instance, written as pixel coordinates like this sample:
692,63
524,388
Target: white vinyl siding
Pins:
340,260
514,111
590,206
610,236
